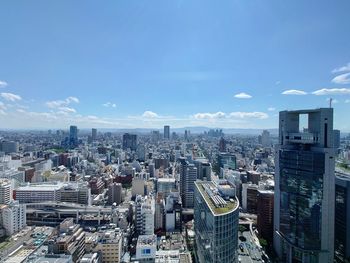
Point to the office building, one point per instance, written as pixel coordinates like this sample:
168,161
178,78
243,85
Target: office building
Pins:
188,175
227,160
265,214
304,187
215,223
342,218
130,141
5,191
114,193
265,139
73,136
93,134
249,198
9,147
167,132
166,185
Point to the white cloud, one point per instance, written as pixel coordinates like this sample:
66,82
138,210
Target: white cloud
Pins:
342,91
10,96
294,92
2,108
217,115
243,95
249,115
342,79
342,69
347,101
109,104
150,114
54,104
271,109
3,84
66,110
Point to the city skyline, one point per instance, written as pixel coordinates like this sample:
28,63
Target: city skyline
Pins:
183,64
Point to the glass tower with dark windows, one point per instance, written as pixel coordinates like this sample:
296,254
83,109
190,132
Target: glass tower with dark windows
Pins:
304,187
342,218
216,222
167,132
73,136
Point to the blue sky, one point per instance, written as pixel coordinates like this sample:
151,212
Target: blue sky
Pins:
146,63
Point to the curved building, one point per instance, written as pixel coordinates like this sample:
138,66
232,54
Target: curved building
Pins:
216,221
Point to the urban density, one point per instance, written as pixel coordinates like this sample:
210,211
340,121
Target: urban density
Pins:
174,131
160,196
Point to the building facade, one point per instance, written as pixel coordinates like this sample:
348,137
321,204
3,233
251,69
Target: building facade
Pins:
304,187
216,224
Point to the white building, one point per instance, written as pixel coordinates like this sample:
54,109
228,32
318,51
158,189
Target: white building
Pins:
146,248
13,217
145,211
5,191
36,193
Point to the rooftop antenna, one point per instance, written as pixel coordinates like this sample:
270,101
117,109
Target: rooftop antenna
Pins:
330,102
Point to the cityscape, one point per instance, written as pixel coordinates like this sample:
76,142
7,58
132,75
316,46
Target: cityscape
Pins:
174,132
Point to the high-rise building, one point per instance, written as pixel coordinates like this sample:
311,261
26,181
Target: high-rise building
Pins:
215,223
342,218
115,193
145,211
336,138
188,175
265,138
9,147
129,141
304,187
222,145
228,160
93,134
73,136
13,217
5,191
167,132
159,220
265,214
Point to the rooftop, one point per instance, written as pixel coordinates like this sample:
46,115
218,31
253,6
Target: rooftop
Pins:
215,201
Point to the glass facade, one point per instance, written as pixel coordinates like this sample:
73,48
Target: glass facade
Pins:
340,224
301,188
216,235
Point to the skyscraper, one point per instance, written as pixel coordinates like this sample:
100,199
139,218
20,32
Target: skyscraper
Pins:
188,175
304,187
342,218
216,222
73,136
167,132
129,141
93,134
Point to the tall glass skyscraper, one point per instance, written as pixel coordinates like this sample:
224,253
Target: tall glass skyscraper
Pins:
304,187
216,222
342,218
